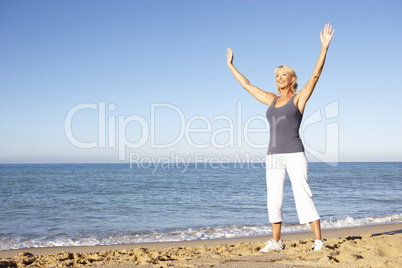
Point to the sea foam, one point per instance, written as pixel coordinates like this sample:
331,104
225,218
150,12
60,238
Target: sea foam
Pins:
189,234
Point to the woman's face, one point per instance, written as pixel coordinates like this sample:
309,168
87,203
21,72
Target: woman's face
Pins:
283,79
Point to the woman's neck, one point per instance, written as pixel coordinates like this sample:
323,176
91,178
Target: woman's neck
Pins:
286,93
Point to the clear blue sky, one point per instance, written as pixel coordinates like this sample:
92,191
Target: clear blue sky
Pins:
55,55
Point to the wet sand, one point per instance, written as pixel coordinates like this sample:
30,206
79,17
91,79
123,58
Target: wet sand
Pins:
368,246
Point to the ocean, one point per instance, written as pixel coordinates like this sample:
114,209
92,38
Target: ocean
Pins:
45,205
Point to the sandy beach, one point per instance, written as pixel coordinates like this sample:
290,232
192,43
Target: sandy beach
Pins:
368,246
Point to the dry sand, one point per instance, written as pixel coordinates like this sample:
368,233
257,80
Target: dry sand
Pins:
370,246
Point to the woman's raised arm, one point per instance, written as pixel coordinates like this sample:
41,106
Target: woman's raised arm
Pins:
259,94
305,93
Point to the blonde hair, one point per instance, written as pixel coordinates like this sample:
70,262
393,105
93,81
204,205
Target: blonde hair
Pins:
292,73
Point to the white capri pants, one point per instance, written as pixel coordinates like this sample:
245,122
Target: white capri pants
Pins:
297,167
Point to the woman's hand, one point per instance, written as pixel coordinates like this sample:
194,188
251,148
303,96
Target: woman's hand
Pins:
326,35
259,94
229,55
305,93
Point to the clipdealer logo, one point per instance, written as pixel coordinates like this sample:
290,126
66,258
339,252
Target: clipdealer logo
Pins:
111,124
112,132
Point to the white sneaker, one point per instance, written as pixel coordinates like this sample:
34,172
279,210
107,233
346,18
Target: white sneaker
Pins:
272,245
318,245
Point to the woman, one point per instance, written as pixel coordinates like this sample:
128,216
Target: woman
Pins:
286,151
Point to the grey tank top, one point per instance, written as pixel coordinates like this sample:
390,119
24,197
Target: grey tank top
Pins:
284,124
